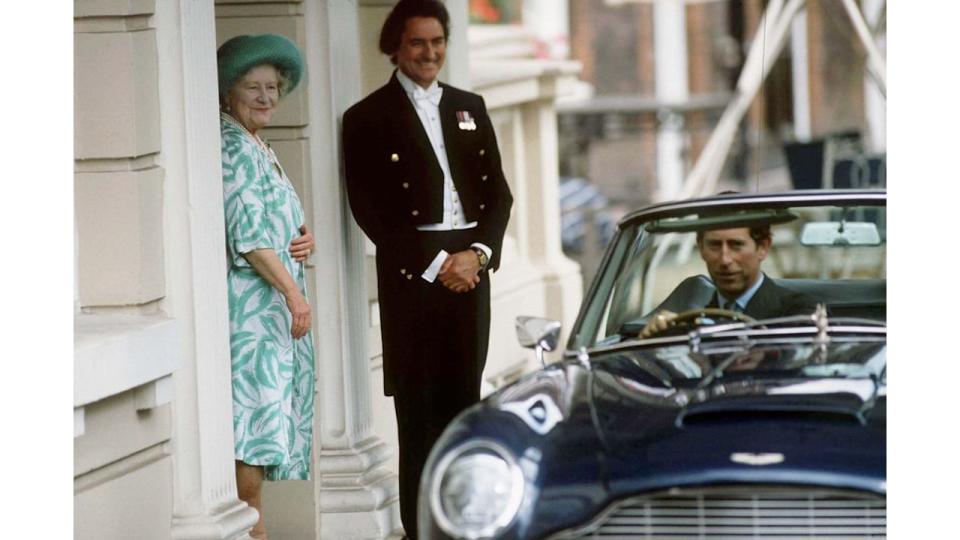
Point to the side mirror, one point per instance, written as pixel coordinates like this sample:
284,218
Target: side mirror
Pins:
538,334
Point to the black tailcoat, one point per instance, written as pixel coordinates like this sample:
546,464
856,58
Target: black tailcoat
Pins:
395,183
434,340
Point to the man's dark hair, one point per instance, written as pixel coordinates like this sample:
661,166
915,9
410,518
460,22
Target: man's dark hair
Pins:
759,233
396,22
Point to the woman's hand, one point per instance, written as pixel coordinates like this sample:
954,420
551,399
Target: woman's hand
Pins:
266,262
300,310
303,245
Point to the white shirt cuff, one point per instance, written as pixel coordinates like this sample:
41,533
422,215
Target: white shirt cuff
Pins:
430,274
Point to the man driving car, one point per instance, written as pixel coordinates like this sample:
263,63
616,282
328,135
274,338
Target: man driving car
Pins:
733,257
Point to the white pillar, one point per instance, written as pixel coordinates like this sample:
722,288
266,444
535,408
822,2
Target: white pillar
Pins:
875,104
457,65
800,69
550,22
356,496
670,73
560,275
205,498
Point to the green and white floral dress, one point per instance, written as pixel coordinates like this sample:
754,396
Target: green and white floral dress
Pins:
273,374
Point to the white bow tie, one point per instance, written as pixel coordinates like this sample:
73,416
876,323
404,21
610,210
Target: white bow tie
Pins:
432,95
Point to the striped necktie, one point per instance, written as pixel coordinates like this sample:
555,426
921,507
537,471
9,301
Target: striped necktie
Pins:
732,306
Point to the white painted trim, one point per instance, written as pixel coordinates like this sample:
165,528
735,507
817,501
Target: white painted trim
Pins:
116,353
79,422
154,394
507,83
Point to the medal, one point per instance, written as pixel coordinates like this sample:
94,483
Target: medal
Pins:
465,121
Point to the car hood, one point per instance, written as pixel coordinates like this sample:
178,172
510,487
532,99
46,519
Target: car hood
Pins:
613,428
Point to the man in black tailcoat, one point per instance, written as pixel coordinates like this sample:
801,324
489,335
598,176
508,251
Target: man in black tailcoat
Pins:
426,185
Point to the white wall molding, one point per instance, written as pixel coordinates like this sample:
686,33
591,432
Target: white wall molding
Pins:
115,353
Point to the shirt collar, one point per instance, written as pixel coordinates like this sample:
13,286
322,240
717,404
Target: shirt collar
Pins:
411,87
744,298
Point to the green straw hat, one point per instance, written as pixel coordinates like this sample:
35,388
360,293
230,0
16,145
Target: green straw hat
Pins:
239,54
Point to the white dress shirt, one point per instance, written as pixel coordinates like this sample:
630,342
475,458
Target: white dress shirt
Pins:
427,104
742,301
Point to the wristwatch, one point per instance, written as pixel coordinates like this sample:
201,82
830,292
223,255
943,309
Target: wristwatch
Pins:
482,256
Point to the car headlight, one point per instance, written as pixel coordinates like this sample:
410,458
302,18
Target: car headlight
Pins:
476,490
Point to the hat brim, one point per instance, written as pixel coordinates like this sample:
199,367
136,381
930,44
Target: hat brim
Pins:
240,54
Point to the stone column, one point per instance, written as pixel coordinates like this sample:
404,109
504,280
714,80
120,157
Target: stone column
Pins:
205,500
356,495
457,67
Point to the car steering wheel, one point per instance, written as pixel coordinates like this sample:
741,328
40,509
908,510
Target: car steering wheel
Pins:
683,319
691,314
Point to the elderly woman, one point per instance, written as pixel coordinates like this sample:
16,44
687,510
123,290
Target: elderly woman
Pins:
270,344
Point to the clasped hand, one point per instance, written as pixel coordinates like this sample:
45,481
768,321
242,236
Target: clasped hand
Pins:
459,271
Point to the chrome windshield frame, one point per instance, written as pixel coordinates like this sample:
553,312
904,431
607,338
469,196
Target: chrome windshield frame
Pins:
753,333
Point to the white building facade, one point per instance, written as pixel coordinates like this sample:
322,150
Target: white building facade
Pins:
153,442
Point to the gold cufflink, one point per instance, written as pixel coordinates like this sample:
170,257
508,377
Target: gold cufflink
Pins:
394,158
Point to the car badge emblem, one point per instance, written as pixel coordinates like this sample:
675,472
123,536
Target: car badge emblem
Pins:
539,412
757,460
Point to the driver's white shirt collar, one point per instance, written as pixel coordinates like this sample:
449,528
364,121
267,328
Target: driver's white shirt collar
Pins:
744,298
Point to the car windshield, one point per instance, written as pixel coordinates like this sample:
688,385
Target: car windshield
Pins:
821,251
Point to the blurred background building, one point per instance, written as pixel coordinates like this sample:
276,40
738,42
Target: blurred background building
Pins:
658,74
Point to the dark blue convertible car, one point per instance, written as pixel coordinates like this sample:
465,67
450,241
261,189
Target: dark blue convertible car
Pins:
672,415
